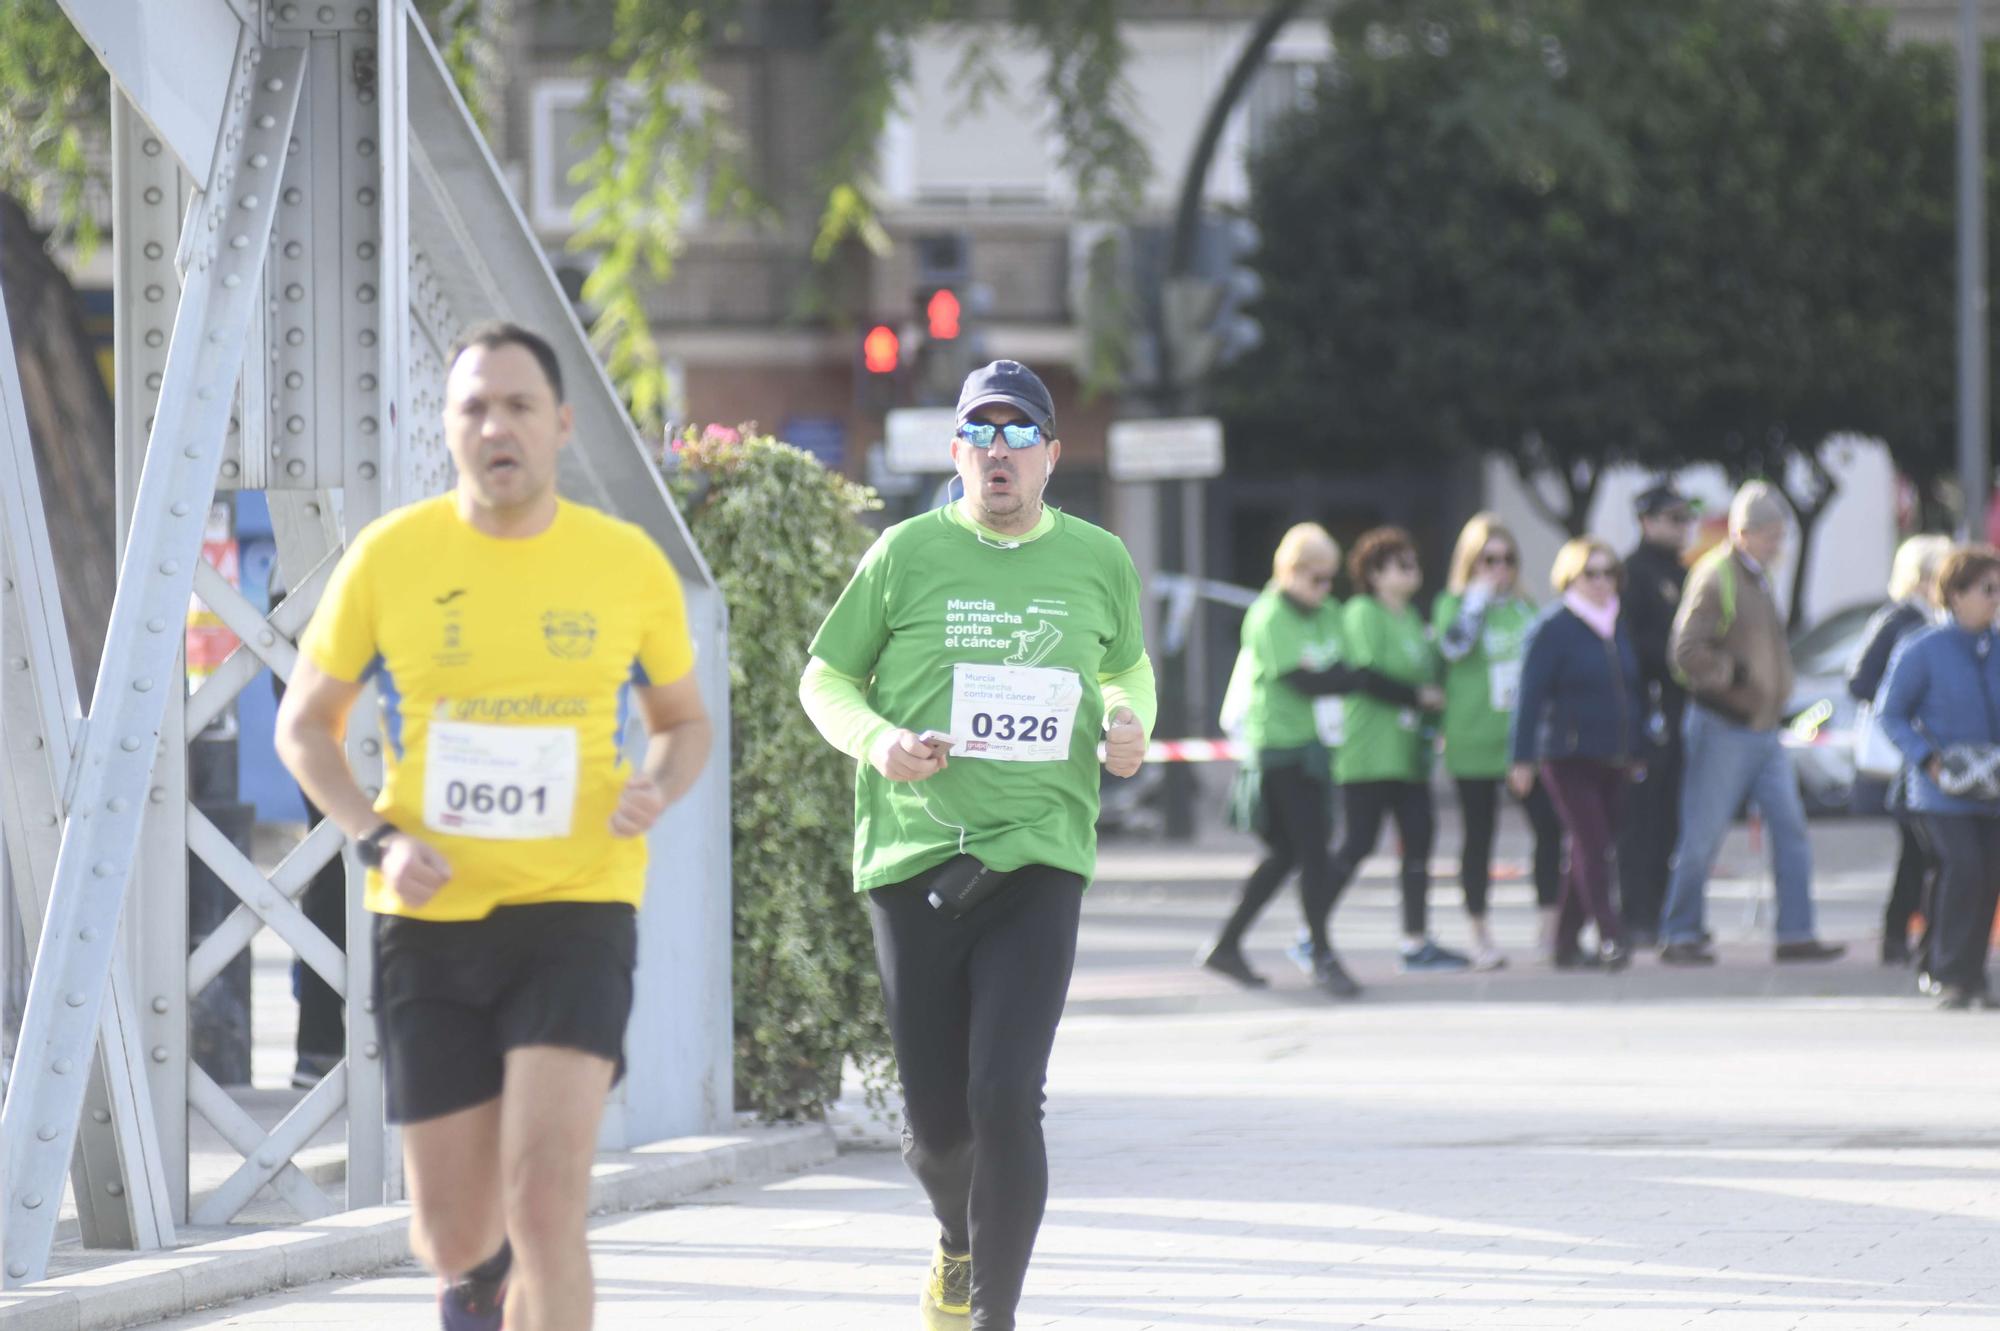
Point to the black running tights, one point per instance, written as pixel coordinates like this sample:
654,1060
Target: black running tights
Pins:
973,1005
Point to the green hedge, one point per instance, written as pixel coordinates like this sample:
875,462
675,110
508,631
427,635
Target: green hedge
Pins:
783,535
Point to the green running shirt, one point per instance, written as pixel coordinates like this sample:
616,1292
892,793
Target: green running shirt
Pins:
1001,646
1480,688
1384,740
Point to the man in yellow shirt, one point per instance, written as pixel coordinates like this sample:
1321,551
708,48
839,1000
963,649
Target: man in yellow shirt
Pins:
512,636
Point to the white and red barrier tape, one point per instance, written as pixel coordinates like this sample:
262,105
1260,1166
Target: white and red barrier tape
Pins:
1193,751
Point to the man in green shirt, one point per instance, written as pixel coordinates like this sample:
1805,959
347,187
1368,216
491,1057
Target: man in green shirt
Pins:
972,667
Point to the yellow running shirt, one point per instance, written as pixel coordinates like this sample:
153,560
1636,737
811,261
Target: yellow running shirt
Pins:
505,669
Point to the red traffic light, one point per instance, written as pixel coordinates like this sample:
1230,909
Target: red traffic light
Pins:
942,311
881,350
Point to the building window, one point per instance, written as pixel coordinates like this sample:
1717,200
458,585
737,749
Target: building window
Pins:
559,139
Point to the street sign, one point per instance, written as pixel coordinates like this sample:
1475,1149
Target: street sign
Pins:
919,438
1183,449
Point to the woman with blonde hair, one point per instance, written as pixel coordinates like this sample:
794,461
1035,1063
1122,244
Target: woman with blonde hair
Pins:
1482,623
1284,701
1579,729
1912,605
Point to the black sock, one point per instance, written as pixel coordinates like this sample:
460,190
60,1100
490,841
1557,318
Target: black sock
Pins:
493,1269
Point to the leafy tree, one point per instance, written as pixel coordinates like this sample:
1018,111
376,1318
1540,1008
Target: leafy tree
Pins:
1710,232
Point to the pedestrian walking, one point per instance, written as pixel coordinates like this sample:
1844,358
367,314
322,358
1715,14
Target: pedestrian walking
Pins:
1288,685
972,667
1580,731
1481,623
1383,767
512,632
1912,589
1730,649
1941,707
1654,578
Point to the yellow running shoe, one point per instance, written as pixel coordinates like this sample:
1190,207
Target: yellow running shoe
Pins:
946,1304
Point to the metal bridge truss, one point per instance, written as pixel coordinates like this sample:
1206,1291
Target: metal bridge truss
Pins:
304,218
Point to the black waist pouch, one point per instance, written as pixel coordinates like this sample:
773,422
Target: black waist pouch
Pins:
962,885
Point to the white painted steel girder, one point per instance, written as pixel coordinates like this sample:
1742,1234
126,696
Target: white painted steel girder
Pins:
117,1174
173,60
139,678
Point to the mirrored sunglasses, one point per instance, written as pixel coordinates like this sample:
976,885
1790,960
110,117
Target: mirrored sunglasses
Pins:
980,434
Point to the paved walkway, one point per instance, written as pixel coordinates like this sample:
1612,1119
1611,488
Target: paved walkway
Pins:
1746,1149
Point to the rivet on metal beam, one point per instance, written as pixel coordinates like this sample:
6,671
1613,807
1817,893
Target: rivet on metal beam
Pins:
159,1053
75,999
100,1116
230,469
47,1132
155,293
267,122
103,869
33,1201
142,686
115,1188
87,934
260,160
294,468
160,1004
293,249
367,471
130,744
156,625
62,1067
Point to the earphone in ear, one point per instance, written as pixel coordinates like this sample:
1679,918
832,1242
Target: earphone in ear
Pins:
1048,470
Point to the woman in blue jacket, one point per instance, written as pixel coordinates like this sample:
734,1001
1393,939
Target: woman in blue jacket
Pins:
1579,720
1941,706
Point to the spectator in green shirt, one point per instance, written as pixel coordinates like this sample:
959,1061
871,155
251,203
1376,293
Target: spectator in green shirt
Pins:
1384,763
1482,623
1284,702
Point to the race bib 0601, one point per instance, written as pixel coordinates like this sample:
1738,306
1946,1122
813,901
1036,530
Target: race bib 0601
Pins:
500,783
1021,714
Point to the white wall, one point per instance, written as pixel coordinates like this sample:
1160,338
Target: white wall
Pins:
935,150
1853,543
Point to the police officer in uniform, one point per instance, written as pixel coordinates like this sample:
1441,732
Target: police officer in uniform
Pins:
1654,576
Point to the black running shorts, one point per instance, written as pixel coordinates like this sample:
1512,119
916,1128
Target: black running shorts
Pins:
453,996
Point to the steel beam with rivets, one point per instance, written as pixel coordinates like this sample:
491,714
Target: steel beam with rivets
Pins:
156,577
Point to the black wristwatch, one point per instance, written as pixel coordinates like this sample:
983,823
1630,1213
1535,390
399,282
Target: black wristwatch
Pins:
369,848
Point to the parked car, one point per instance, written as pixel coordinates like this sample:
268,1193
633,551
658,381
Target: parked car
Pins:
1821,715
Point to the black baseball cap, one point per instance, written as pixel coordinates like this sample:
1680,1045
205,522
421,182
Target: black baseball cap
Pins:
1011,382
1661,497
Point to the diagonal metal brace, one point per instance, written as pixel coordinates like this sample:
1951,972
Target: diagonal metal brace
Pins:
38,1124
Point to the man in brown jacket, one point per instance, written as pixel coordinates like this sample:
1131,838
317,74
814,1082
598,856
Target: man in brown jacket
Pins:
1730,648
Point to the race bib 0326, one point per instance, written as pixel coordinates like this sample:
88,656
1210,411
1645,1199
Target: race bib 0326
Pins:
1022,714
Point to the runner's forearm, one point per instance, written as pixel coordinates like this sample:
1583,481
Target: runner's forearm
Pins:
319,764
1133,687
838,706
675,756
